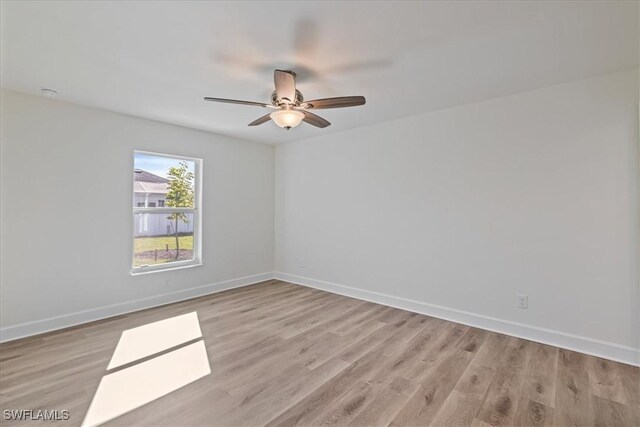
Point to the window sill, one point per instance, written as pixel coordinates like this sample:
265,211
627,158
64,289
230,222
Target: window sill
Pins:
143,271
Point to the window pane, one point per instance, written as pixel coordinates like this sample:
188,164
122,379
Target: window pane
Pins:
163,181
155,238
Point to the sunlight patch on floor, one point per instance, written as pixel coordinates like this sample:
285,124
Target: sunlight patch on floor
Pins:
153,338
127,389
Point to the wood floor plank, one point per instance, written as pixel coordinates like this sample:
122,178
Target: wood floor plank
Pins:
609,413
305,411
334,343
534,414
605,380
630,376
388,386
472,339
269,397
435,386
464,402
386,402
282,354
541,373
573,398
348,407
406,358
364,345
500,405
439,351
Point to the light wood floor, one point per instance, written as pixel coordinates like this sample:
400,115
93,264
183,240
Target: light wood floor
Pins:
284,355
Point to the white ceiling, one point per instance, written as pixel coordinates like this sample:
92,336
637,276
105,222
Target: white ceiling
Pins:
158,59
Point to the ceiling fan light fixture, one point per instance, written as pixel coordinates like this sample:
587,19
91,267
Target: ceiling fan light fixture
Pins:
287,119
289,104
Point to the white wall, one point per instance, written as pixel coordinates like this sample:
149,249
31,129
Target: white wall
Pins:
457,211
66,256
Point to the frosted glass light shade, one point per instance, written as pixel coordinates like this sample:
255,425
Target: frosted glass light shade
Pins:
287,119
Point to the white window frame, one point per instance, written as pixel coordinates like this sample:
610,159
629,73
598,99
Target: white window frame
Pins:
196,211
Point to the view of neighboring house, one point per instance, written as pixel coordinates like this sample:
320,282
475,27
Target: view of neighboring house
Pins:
149,191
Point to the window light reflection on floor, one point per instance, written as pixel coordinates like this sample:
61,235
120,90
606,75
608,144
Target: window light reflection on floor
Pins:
127,389
155,337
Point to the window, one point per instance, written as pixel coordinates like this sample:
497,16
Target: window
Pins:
166,211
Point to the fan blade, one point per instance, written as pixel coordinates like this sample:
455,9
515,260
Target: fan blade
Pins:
339,102
261,120
315,120
285,82
235,101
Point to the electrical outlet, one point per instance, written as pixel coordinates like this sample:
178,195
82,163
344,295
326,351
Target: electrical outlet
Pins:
523,301
166,283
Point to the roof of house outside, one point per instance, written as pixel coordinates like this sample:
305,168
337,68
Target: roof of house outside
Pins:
140,175
146,182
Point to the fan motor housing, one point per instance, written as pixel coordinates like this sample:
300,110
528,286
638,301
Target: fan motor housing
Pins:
274,98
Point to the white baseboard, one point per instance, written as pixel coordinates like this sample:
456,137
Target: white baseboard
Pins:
23,330
604,349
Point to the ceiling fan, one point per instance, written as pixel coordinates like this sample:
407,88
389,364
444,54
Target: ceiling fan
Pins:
289,106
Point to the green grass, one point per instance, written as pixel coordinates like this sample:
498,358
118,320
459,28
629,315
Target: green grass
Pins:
143,244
